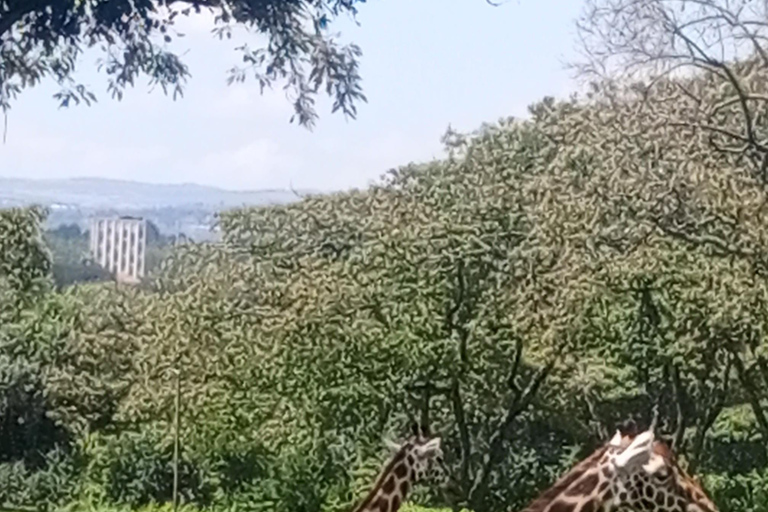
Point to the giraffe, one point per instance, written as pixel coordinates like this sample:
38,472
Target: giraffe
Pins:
630,472
419,458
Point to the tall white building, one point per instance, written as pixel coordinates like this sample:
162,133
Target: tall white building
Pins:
119,245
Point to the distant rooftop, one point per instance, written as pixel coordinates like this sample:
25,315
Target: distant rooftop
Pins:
117,217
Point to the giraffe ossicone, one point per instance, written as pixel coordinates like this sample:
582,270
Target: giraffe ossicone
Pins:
419,458
639,451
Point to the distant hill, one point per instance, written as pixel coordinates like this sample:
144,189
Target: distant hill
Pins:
182,208
104,193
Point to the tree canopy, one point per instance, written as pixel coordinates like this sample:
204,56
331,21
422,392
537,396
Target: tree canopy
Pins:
720,41
46,39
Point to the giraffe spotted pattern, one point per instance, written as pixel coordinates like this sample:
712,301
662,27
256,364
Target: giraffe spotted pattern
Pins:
631,472
419,458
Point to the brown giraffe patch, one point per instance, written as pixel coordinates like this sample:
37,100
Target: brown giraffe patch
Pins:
588,506
401,470
395,504
649,491
603,487
411,461
607,472
547,500
389,485
584,486
660,500
623,496
562,506
670,501
404,488
373,502
646,505
608,495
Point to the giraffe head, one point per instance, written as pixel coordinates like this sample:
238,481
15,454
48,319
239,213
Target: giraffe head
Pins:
644,475
630,472
418,459
427,455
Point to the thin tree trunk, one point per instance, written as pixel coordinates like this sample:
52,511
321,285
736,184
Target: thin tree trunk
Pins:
464,439
709,418
752,395
677,390
495,451
176,415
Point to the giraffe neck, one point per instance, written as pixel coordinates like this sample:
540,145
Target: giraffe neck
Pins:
585,488
589,493
392,486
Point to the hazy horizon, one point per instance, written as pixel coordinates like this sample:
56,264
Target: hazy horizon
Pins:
156,183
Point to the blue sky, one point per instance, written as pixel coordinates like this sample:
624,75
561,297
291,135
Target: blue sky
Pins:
426,63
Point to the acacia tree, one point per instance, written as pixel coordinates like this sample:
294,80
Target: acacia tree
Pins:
723,40
46,38
696,138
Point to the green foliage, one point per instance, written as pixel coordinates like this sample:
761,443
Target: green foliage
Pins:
30,331
152,507
158,248
24,260
747,492
48,486
71,261
409,507
135,468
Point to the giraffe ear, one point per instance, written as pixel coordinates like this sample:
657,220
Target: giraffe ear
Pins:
391,445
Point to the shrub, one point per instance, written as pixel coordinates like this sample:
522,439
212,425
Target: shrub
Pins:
136,469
